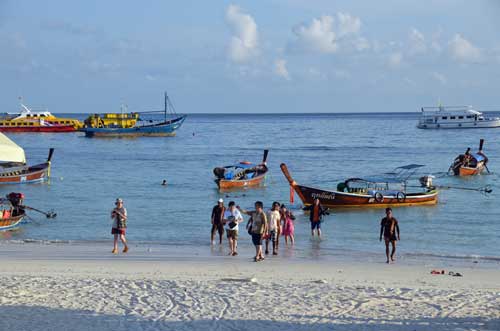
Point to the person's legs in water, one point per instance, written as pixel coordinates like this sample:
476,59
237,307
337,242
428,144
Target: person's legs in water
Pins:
124,242
212,234
292,239
387,250
115,244
230,240
393,242
235,244
267,245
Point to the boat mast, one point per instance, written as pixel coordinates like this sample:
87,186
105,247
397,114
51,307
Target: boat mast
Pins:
166,98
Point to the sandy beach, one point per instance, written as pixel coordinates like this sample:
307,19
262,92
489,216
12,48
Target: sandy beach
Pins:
83,287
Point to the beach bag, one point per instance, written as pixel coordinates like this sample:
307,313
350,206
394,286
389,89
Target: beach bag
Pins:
250,222
232,223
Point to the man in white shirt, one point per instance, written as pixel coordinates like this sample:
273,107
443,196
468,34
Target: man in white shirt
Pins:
232,217
274,218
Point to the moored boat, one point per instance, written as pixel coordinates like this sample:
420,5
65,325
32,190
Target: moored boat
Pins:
470,164
458,117
135,124
28,120
13,167
241,175
369,192
11,211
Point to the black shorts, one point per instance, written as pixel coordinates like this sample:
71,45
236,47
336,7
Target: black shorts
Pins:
257,239
316,225
390,237
219,227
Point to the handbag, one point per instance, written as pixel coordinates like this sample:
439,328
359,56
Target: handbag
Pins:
249,226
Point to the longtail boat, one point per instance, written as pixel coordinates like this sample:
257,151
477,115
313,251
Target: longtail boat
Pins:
242,174
135,124
13,167
29,120
369,192
470,164
11,211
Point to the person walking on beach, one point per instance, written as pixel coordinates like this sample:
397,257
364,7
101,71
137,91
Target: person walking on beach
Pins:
317,211
257,228
119,216
217,220
288,228
274,225
389,228
232,217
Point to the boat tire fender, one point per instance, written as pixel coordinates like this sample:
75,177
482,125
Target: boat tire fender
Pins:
401,197
379,197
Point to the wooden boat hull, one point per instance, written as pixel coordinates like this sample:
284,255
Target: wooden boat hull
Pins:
164,129
466,171
28,174
10,222
337,199
226,184
54,128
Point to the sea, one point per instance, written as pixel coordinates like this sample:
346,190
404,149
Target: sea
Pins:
320,150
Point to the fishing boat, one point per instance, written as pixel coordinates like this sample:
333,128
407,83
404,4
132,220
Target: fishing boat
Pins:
470,164
455,117
241,175
28,120
11,211
13,167
370,192
135,124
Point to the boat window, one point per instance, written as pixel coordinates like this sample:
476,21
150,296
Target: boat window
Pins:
460,117
28,115
444,117
452,117
469,116
32,123
43,115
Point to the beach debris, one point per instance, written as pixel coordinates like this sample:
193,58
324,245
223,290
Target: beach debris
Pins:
241,280
321,281
455,274
437,272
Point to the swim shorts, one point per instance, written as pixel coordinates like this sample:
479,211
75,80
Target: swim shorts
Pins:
316,225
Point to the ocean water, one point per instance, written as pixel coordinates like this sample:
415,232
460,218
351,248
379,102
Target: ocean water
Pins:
319,149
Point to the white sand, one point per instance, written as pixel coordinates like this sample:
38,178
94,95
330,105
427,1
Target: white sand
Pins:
78,287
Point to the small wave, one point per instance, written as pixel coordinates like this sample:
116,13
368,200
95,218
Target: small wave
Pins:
455,256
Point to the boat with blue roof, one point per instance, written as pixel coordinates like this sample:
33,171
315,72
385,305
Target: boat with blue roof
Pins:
241,175
470,164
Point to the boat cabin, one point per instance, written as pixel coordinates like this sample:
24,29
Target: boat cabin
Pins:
454,117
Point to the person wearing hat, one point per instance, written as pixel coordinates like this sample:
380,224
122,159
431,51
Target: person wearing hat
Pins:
119,216
217,220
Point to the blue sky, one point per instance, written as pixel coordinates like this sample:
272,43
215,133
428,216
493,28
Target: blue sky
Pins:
249,56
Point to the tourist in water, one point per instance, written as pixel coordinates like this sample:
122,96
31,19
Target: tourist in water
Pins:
217,220
317,211
288,228
389,228
274,226
232,217
257,228
119,216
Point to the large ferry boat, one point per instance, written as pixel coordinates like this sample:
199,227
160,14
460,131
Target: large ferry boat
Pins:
28,120
456,117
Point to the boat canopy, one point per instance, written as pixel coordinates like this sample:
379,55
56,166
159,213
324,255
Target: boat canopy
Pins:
10,152
376,180
478,157
241,165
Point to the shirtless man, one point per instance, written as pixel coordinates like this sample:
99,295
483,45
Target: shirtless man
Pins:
389,228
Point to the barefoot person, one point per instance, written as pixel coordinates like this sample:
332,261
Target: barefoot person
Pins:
217,221
257,228
389,228
317,211
288,228
119,216
274,226
232,217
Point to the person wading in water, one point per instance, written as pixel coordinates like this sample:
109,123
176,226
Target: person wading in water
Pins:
389,228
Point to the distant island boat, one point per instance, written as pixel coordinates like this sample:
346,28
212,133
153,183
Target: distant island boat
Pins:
135,123
28,120
456,117
13,168
470,164
370,192
241,175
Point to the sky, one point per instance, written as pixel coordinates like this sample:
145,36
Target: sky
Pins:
274,56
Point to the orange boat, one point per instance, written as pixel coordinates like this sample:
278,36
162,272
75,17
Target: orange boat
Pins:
368,192
470,164
11,211
241,175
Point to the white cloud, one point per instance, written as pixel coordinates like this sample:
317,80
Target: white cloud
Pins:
439,77
244,42
463,50
348,24
280,69
417,42
395,60
318,36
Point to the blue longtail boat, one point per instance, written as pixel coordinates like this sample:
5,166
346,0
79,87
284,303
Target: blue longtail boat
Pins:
135,124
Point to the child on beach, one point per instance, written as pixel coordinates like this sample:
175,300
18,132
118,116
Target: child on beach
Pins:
274,218
317,211
119,216
257,228
288,228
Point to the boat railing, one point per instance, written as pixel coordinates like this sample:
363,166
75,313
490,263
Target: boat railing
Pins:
445,108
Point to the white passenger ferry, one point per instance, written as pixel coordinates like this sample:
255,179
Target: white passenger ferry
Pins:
455,118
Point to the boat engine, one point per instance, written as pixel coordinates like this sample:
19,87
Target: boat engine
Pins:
426,181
